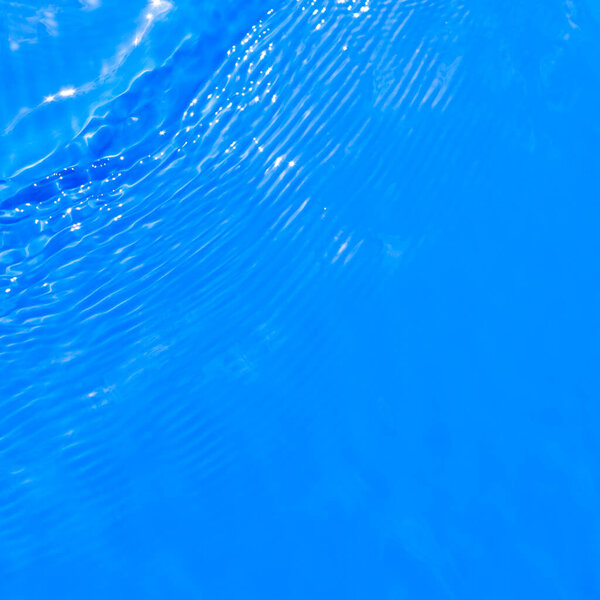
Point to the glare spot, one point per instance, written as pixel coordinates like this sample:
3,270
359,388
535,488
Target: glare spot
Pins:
67,92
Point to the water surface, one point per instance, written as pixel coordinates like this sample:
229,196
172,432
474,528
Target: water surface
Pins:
299,300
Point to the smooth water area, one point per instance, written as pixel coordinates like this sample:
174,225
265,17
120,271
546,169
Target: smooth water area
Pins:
300,299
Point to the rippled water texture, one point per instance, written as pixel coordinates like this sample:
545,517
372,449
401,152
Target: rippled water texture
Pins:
299,300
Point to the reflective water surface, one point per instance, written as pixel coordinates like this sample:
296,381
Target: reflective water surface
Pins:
299,300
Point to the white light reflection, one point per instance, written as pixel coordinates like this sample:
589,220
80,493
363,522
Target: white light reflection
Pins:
153,10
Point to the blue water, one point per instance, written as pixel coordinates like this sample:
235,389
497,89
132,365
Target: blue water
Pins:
299,299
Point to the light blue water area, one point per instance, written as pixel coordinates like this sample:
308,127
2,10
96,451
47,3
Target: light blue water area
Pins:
299,300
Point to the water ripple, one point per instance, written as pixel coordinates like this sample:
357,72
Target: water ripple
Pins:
165,219
166,273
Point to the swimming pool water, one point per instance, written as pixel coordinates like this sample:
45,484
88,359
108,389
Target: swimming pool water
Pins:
299,300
